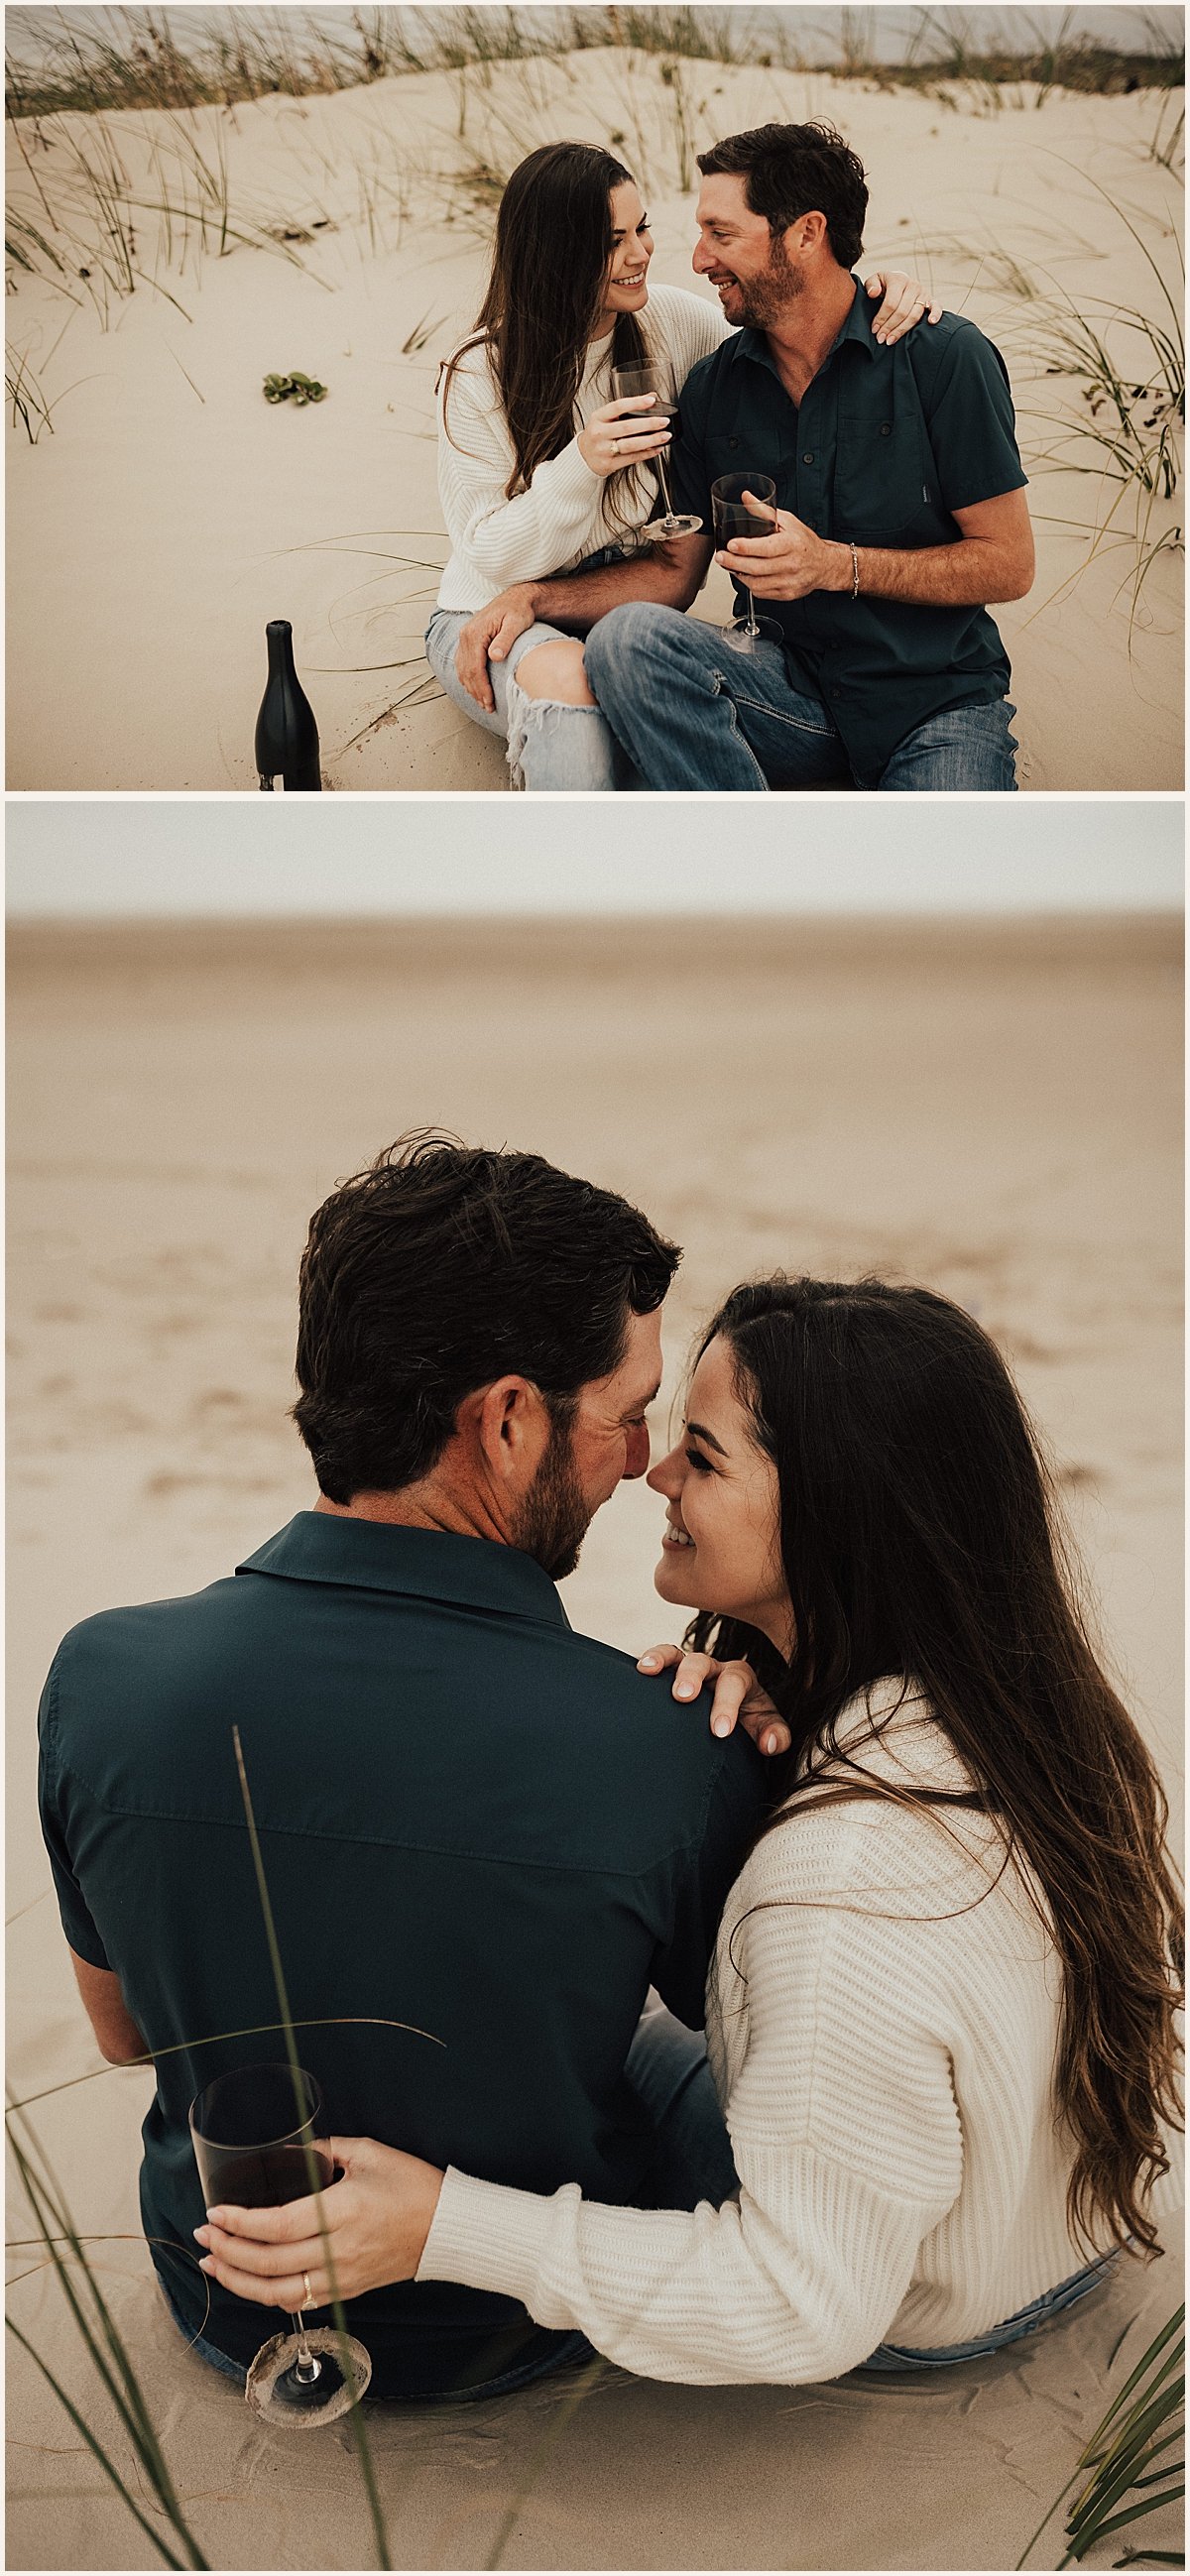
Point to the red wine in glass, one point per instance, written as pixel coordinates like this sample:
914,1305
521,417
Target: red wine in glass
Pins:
733,517
259,2141
627,381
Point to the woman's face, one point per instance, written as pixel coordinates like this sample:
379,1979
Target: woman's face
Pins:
721,1546
626,288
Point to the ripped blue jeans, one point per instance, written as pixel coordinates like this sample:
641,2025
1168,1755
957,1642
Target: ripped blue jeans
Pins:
551,747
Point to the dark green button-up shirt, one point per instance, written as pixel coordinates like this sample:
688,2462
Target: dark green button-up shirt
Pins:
473,1820
885,445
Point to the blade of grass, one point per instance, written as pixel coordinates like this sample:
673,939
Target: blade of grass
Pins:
251,2030
47,2205
355,2413
1095,2449
129,2400
93,2444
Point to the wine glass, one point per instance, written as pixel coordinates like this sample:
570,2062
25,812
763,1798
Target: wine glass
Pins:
260,2139
627,381
733,518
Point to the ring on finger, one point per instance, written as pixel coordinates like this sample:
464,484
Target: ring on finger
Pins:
308,2301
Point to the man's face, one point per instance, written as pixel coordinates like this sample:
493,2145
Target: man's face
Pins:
606,1439
749,265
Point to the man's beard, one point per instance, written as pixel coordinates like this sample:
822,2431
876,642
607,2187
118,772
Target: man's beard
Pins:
767,296
554,1518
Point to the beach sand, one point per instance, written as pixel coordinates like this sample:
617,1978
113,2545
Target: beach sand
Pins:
994,1110
167,510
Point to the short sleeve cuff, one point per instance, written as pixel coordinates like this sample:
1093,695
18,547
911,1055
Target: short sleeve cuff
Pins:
82,1936
998,490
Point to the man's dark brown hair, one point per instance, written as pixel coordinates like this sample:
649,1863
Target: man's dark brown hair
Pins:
792,170
441,1268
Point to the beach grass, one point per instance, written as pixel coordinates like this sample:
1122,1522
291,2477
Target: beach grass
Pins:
1125,2469
1103,400
263,52
108,2353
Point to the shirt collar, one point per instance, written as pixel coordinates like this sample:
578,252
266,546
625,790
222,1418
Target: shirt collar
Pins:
429,1565
857,326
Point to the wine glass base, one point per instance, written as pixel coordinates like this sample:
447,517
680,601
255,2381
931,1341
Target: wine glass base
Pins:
273,2391
674,524
741,639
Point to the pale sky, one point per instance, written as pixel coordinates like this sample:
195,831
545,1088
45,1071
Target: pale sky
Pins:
89,857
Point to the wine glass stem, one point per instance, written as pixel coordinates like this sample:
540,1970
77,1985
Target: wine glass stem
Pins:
750,625
306,2367
663,479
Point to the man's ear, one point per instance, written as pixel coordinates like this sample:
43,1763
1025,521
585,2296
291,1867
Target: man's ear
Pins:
510,1428
807,237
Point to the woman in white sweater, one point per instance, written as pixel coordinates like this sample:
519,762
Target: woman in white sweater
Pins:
540,468
941,2014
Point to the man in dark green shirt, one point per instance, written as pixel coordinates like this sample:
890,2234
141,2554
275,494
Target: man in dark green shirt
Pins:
484,1836
899,513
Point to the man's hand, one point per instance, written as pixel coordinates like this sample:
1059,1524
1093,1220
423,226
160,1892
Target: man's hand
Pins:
790,563
737,1699
377,2220
490,636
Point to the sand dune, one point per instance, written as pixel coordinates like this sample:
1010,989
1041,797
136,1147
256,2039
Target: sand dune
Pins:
995,1110
166,510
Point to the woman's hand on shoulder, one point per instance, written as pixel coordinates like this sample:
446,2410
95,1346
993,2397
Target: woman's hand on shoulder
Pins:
905,301
377,2219
621,433
737,1698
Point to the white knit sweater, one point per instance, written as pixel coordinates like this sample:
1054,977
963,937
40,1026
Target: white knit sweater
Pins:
564,515
882,2022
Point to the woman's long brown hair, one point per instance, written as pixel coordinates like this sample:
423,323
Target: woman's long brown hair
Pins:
920,1536
544,297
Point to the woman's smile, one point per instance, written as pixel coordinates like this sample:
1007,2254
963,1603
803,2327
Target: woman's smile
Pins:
717,1476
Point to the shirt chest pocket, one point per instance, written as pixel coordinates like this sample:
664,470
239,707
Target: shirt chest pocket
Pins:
885,492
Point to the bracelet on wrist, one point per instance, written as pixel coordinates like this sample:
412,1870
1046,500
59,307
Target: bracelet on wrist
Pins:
854,568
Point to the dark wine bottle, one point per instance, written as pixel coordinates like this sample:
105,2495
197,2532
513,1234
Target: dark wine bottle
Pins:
286,734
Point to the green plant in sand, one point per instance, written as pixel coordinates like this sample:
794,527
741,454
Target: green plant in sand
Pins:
1114,409
294,388
1127,2457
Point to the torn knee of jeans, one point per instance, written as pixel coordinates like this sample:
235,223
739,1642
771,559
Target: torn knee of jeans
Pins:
533,716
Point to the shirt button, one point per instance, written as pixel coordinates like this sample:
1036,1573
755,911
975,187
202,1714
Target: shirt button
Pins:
886,429
808,458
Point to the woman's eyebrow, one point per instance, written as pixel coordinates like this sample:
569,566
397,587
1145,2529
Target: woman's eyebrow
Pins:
699,1431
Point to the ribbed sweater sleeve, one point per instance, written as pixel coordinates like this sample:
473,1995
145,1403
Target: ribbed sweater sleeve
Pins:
529,536
563,515
846,2139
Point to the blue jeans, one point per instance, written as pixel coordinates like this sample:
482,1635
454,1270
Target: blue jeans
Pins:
690,713
569,2348
891,2356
